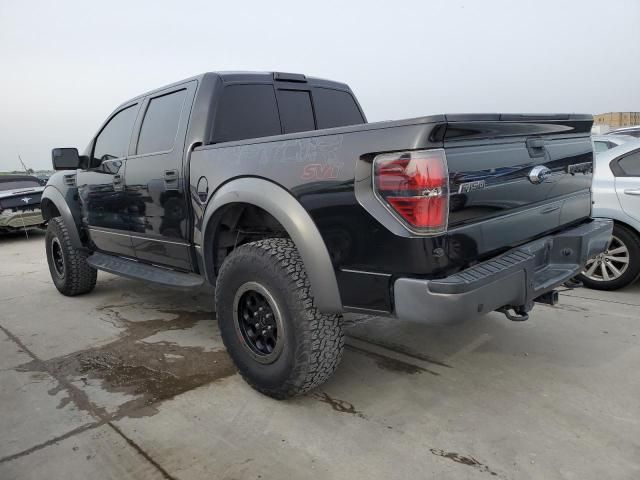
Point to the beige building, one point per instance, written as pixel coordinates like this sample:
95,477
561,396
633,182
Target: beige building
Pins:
617,119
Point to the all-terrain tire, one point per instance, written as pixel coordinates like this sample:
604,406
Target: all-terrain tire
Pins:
70,272
312,342
631,240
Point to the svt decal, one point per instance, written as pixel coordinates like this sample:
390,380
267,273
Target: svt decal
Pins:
318,171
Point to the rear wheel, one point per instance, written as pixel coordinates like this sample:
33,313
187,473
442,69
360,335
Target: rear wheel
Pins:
282,345
618,266
70,272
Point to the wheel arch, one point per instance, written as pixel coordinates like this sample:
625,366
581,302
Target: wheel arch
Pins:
294,219
53,204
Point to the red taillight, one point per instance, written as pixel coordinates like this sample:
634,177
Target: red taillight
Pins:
415,187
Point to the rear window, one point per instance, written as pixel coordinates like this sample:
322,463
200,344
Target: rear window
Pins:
246,111
160,124
15,184
335,108
296,113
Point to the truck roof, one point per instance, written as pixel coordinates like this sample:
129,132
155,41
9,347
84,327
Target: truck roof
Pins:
254,77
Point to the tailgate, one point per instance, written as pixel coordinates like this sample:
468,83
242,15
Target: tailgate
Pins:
527,172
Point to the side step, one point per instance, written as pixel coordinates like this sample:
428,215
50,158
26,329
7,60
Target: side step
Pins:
142,271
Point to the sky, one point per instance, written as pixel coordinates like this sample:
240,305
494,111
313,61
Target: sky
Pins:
65,65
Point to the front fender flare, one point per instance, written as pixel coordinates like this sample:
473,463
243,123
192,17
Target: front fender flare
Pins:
53,195
296,221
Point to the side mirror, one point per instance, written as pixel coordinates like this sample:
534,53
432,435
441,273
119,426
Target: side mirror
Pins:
65,159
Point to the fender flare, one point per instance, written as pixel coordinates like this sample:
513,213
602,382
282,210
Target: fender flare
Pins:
286,209
53,195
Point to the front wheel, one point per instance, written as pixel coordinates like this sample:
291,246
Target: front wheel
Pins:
618,266
70,272
281,344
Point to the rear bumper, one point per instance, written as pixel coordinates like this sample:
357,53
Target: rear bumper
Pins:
513,279
16,220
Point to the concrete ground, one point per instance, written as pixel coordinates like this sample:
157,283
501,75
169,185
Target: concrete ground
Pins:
132,381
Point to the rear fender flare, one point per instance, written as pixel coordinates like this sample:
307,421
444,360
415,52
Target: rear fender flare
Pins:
296,221
53,195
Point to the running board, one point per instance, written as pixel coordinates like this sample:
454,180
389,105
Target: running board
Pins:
142,271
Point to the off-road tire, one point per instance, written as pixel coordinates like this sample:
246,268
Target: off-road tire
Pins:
77,275
313,342
631,240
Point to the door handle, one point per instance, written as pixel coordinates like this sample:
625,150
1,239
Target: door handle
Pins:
632,191
536,147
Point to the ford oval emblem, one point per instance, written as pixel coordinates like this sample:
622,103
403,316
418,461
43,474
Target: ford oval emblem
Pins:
538,174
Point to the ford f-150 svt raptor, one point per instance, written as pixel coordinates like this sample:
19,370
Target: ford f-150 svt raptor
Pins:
274,189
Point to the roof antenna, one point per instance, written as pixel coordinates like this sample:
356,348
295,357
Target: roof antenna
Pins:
26,170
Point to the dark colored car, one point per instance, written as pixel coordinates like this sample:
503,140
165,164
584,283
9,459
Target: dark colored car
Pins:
20,203
274,189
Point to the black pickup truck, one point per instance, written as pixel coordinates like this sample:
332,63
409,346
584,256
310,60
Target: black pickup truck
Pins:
273,188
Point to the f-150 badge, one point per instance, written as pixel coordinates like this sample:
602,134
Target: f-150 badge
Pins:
470,186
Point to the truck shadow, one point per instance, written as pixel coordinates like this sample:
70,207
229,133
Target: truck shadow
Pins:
33,235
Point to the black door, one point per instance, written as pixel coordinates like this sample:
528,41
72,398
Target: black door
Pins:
155,181
101,186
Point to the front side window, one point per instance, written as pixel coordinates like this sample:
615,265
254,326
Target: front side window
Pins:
113,140
160,123
246,111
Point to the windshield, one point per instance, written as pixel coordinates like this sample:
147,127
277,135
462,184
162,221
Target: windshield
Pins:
10,184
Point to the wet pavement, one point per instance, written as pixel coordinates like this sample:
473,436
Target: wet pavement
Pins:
132,381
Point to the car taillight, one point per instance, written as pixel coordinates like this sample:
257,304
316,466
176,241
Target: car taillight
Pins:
415,187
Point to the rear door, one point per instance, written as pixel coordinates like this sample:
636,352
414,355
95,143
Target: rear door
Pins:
627,172
155,179
101,185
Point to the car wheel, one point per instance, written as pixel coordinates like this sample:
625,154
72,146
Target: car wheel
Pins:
618,266
279,341
70,272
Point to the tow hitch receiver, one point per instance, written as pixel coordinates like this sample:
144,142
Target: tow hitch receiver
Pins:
521,312
550,298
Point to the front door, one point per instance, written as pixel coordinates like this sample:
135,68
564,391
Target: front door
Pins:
101,185
155,183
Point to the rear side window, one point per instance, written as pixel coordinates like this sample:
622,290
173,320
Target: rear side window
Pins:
160,124
335,108
246,111
629,166
113,140
296,113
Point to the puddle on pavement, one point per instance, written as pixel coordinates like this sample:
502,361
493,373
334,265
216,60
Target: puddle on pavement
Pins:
149,372
464,460
392,364
341,406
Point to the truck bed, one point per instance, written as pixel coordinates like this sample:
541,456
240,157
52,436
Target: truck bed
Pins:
329,172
